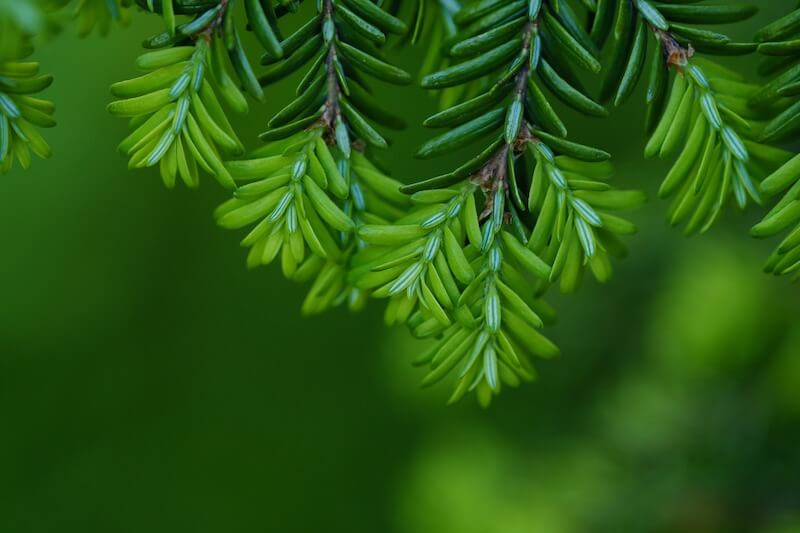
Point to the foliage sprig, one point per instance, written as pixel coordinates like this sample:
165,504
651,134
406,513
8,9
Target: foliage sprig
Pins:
780,42
313,184
484,241
697,110
22,112
464,258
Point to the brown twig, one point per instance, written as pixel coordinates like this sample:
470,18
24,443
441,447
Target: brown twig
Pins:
494,174
333,111
208,31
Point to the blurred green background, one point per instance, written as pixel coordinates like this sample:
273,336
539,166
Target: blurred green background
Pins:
149,382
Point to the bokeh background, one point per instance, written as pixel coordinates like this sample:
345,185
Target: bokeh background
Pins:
149,382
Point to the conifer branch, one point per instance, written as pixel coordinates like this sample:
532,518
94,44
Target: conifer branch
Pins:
780,42
21,110
488,238
314,182
179,123
702,115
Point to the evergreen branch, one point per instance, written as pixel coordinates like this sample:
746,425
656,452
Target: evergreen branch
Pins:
471,276
21,112
780,41
312,184
702,114
178,120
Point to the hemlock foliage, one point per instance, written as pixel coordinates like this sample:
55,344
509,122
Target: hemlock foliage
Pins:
780,43
464,258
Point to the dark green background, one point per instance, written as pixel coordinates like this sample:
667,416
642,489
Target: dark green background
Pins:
150,383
